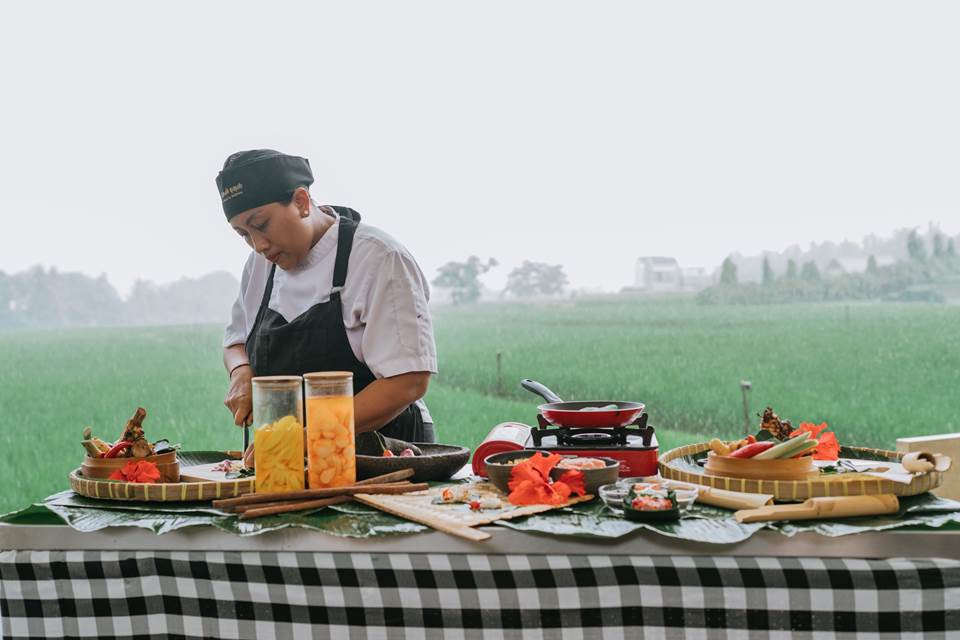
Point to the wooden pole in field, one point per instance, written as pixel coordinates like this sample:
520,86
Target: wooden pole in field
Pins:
499,376
744,389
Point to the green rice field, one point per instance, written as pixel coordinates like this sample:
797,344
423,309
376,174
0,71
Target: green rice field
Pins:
874,372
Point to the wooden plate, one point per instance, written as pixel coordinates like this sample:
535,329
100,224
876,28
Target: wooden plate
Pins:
681,464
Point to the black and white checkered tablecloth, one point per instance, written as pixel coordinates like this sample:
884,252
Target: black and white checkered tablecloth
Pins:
249,594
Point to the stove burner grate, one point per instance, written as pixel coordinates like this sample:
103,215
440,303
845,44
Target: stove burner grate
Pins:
579,438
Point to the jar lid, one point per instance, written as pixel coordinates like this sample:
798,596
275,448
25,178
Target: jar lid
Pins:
327,376
277,381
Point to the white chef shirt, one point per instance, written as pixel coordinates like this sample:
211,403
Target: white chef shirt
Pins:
384,300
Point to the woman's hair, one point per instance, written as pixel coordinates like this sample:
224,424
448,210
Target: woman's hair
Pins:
289,198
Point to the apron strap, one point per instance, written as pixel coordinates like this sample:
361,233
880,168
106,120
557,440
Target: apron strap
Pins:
349,220
265,301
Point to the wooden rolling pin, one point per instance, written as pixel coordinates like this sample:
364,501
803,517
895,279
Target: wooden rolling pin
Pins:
822,508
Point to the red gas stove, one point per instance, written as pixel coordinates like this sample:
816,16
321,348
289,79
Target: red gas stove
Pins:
634,445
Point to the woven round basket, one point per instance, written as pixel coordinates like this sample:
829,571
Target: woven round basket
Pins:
159,492
681,464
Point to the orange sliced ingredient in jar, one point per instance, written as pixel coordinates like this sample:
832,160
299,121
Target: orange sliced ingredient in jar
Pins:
279,447
330,449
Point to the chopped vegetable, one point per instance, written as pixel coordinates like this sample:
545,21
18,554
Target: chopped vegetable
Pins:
117,448
751,450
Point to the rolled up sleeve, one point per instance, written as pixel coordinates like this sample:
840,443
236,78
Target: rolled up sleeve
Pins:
238,329
398,336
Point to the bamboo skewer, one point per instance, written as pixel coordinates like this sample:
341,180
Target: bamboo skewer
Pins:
251,498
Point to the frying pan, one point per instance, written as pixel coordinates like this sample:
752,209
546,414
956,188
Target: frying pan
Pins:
572,414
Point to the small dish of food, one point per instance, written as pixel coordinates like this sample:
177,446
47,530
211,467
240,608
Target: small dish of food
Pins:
651,502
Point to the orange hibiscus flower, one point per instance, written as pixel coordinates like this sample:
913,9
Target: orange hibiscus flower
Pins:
828,447
137,471
530,481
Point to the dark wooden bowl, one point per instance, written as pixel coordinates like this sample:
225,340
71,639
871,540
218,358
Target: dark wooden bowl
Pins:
499,467
438,462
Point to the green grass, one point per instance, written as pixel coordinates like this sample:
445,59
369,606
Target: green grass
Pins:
874,372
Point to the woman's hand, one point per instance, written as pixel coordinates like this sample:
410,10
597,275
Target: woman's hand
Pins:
239,398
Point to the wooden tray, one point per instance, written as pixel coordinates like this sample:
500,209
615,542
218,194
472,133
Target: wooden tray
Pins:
680,464
159,492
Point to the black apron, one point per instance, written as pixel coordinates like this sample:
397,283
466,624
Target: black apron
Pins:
316,340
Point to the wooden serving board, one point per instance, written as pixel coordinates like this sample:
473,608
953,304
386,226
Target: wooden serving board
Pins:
455,519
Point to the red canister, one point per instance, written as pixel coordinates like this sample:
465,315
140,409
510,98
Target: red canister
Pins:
506,436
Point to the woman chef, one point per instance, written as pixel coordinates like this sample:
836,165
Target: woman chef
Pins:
322,291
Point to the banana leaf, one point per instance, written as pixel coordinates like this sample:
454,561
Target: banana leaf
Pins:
703,523
593,519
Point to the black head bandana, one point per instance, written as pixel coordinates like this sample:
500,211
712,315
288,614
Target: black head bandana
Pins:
254,178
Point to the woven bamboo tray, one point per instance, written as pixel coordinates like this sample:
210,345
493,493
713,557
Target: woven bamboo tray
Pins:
680,464
160,492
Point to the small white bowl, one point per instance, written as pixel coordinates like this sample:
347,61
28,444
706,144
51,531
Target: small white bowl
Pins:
613,496
685,498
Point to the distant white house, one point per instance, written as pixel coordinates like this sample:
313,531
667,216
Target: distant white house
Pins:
662,273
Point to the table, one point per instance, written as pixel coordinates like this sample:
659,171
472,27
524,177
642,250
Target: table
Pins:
200,582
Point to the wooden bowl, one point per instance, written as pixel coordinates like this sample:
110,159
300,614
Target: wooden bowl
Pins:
101,468
750,469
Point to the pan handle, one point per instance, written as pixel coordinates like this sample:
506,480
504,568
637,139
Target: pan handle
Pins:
539,389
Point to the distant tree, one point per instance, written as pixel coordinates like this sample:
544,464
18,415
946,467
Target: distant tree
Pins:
872,264
938,248
915,248
463,278
809,272
768,276
791,270
728,272
951,248
536,279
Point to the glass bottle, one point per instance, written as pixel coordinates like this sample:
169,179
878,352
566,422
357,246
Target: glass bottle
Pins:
330,450
278,433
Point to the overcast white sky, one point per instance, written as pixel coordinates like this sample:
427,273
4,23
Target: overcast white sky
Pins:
577,133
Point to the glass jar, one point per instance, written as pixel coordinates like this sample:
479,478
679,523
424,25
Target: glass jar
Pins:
278,433
330,451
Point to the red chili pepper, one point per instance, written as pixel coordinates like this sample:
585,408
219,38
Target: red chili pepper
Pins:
387,453
117,448
752,449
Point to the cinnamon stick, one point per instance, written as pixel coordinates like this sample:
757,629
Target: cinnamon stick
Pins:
293,506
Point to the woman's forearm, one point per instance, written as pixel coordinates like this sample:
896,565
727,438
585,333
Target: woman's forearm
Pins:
384,399
234,356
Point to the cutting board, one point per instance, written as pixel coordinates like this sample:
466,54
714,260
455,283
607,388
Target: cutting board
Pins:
205,473
455,519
